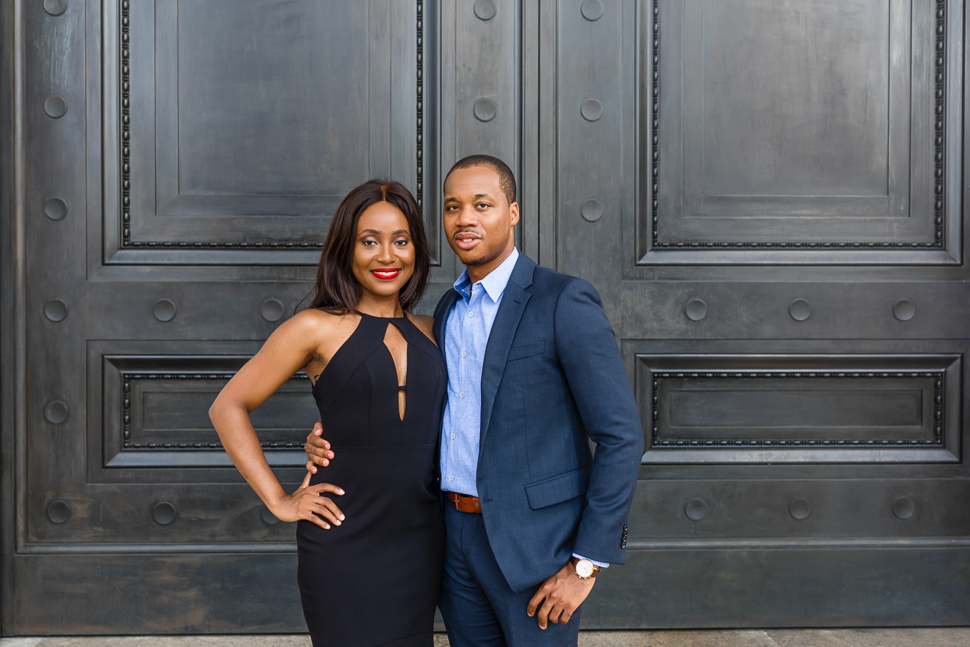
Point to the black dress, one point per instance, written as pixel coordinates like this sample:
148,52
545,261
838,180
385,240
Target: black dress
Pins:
374,579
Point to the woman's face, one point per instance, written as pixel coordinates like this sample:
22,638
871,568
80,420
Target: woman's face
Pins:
384,252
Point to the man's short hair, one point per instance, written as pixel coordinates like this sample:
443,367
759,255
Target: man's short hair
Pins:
506,179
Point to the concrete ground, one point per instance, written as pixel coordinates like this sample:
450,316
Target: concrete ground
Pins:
948,637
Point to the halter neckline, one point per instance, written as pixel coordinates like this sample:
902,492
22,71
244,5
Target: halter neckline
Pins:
364,314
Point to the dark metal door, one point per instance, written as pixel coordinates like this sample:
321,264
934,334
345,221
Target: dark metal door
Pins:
180,164
767,194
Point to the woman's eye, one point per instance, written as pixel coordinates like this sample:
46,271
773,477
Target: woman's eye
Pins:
401,243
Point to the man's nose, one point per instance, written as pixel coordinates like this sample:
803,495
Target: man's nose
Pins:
467,217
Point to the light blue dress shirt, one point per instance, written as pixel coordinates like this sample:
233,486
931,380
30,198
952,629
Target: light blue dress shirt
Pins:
466,335
467,327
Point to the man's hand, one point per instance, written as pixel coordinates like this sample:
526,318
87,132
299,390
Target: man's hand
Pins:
560,594
317,449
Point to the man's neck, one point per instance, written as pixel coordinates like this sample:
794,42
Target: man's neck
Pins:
478,272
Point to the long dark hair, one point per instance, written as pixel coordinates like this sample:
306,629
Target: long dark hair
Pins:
337,289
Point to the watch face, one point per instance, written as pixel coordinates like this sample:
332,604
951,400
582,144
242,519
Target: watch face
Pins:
584,568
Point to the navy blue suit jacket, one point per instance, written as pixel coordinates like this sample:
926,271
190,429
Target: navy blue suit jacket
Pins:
553,377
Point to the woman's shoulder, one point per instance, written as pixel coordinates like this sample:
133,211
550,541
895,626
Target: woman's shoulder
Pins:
314,320
424,323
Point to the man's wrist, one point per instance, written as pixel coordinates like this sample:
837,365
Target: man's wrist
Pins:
593,561
584,568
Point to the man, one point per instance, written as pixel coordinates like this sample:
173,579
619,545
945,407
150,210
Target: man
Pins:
534,372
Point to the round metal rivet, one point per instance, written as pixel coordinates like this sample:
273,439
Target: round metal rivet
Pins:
55,209
695,509
904,310
799,509
591,110
485,110
164,310
55,310
592,210
58,511
485,9
56,412
268,517
163,513
272,310
55,7
592,10
903,508
695,309
800,310
55,107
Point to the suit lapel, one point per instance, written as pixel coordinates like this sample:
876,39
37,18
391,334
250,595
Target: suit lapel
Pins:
441,320
503,332
441,312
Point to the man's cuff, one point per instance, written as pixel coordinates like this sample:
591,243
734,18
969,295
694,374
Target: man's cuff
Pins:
593,561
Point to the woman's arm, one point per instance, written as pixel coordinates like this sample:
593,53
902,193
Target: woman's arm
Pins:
287,350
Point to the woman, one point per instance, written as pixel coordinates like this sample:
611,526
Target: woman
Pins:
369,569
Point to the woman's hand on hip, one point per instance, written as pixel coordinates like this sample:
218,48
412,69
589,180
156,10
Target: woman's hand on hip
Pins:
309,504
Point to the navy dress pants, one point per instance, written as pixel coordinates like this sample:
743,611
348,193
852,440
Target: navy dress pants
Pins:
479,607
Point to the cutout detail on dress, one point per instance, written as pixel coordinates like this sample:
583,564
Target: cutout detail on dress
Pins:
397,348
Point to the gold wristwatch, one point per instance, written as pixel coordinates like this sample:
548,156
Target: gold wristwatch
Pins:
585,569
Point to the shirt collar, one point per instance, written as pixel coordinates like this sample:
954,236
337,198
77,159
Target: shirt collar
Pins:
494,283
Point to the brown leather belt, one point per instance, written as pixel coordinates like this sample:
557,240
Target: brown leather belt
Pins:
465,503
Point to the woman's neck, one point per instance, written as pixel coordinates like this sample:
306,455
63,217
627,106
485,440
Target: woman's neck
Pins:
389,307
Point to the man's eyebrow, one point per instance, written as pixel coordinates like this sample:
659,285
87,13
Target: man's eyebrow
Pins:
477,196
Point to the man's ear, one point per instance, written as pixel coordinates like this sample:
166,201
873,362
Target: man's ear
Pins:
514,209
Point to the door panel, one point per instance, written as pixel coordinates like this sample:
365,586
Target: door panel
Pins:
821,134
239,127
182,161
724,173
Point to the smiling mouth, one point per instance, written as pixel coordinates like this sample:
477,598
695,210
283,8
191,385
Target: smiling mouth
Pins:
465,241
386,275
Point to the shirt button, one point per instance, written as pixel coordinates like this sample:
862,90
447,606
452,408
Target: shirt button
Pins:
471,314
464,354
452,435
451,478
462,394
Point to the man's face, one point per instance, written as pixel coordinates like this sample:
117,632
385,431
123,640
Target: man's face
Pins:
478,219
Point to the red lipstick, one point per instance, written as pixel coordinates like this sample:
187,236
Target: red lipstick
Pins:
388,274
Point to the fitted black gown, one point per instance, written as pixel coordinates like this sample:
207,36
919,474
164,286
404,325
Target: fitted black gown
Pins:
374,579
